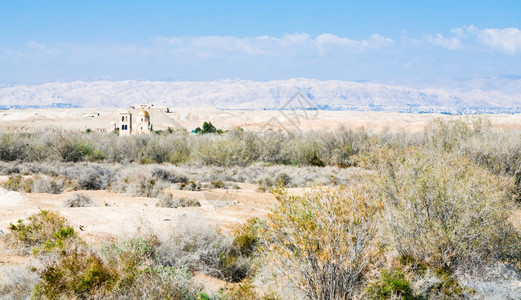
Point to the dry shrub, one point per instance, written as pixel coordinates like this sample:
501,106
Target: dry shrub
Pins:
92,177
264,184
46,184
17,282
192,244
158,283
18,183
141,184
444,210
140,277
78,200
166,199
35,184
199,247
323,242
230,149
190,186
168,175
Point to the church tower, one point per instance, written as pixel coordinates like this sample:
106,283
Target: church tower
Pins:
125,123
143,124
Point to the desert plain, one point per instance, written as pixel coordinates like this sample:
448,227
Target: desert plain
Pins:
118,215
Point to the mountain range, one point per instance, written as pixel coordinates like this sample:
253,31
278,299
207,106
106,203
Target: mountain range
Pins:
467,96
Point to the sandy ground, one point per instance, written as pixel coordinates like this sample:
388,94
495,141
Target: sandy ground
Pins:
190,118
119,215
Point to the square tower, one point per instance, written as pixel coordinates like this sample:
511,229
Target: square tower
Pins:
125,123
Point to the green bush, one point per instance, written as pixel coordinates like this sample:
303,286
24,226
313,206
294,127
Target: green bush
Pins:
46,231
76,274
391,285
207,128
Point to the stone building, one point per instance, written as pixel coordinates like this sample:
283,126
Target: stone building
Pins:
130,124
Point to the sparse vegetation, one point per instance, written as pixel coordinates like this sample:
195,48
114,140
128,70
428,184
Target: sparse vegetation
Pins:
46,231
166,199
389,215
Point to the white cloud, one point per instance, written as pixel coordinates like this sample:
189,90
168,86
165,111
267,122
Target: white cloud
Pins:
325,40
459,32
299,42
35,45
447,43
507,40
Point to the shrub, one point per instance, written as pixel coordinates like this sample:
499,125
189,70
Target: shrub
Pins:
302,150
198,247
283,179
159,283
231,149
18,183
244,290
93,177
78,200
46,184
190,186
218,184
12,147
194,245
142,184
264,184
166,199
169,176
140,277
70,149
18,282
36,184
444,210
236,262
46,231
207,128
124,270
77,273
391,285
323,242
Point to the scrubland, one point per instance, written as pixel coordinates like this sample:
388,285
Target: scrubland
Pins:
385,215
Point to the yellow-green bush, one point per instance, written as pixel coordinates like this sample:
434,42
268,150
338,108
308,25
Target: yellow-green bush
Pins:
46,231
323,242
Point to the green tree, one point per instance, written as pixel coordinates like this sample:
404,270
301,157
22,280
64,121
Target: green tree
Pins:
208,127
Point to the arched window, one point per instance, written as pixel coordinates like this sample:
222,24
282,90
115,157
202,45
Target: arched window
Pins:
122,118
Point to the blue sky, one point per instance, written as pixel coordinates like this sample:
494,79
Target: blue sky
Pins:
44,41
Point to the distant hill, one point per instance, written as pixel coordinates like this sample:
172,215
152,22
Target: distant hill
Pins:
491,95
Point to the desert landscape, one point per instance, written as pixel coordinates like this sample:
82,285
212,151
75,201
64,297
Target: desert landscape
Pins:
244,150
81,119
222,207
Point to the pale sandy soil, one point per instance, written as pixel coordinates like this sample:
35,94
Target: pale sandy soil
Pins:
117,215
190,118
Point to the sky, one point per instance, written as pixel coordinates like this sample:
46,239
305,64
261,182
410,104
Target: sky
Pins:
48,41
